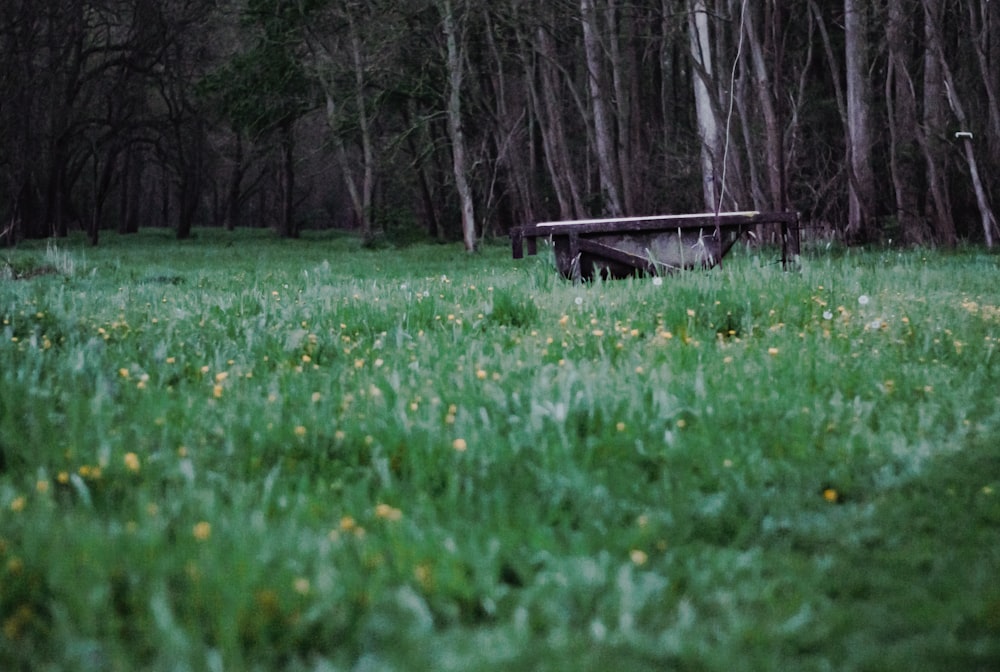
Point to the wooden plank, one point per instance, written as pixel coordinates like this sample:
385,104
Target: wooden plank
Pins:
659,223
608,252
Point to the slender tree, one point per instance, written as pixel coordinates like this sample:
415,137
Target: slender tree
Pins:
704,84
454,60
861,186
901,101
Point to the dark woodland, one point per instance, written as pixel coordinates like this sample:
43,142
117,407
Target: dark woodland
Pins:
877,120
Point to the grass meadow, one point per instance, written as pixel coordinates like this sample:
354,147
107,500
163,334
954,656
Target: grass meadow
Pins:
239,453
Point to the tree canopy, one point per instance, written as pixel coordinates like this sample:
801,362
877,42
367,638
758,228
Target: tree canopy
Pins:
457,119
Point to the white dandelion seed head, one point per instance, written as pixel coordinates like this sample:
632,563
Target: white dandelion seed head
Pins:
863,300
827,315
578,300
657,281
403,287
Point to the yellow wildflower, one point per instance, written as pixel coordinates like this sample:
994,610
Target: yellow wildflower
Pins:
202,531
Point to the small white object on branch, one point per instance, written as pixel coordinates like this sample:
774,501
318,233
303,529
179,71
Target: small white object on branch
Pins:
964,134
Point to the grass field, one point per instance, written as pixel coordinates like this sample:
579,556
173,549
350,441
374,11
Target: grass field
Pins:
238,453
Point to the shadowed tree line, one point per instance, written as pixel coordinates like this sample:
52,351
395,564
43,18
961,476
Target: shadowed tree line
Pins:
457,119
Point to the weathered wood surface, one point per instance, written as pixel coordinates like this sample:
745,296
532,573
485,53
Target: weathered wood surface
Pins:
619,247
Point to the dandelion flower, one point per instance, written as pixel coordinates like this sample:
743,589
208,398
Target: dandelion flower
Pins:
18,504
387,512
657,281
123,372
863,300
202,531
132,462
638,557
459,445
424,576
300,431
831,495
301,585
772,351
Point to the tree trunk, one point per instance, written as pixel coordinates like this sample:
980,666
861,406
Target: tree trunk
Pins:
552,128
454,59
289,226
935,129
989,221
900,96
367,147
235,185
773,134
621,76
434,229
510,140
131,196
861,186
606,163
708,130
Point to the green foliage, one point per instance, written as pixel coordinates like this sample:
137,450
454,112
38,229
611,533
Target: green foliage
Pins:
266,86
317,456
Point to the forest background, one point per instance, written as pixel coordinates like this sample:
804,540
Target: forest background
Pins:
458,119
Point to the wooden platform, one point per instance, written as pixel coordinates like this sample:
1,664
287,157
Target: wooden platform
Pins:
624,246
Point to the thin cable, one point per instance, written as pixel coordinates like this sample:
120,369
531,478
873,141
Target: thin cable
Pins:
729,114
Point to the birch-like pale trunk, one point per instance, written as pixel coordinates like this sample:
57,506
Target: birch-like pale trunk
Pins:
861,189
606,163
708,128
980,29
364,126
459,151
988,218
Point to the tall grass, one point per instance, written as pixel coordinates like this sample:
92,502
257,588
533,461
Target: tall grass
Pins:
238,453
